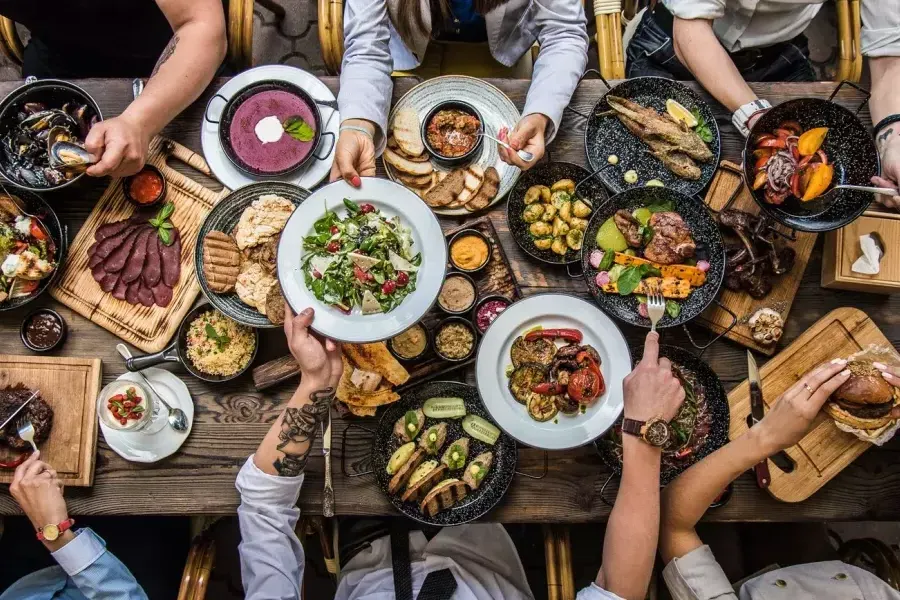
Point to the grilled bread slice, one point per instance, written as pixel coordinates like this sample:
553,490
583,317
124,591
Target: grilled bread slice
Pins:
401,477
404,165
447,189
406,128
421,487
487,192
443,496
221,261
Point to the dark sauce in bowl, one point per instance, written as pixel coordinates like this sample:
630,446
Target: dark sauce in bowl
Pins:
43,330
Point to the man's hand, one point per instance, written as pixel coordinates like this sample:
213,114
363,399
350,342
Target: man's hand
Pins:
888,141
120,144
319,362
793,413
528,134
355,154
38,491
652,390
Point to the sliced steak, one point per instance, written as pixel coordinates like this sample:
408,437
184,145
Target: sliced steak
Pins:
116,261
162,294
171,260
109,281
131,294
119,291
38,411
145,294
111,229
106,247
135,262
153,264
98,272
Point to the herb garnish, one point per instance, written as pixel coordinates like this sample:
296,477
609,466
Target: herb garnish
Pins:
163,225
702,128
631,277
298,129
221,340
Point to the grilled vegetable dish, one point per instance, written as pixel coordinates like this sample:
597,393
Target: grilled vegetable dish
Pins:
790,162
431,468
27,251
649,250
557,217
363,259
549,379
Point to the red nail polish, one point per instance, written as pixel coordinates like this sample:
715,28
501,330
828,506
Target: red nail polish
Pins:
356,181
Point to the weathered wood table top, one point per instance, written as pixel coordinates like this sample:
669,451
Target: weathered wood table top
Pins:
231,419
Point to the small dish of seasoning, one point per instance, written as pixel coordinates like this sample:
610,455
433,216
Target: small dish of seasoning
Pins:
411,344
147,187
470,250
454,339
43,330
458,294
488,309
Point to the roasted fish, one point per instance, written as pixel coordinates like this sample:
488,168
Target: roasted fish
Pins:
671,157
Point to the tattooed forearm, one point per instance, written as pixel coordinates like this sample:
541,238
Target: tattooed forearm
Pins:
167,52
883,137
298,431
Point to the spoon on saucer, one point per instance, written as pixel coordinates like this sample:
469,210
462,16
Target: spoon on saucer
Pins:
177,419
523,154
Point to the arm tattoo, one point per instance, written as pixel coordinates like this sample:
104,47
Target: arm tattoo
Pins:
883,136
167,52
298,431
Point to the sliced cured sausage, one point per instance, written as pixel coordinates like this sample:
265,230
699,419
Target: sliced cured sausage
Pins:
162,294
116,261
111,229
107,246
153,264
98,273
131,294
171,260
109,281
135,261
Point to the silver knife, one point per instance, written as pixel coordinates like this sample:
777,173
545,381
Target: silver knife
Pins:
328,497
18,410
757,412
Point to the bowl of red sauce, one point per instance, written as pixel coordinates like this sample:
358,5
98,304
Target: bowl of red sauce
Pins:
487,310
451,132
270,128
147,187
43,330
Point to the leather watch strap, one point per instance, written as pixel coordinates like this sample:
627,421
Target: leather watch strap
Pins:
632,426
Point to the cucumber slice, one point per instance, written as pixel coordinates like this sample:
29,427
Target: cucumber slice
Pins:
400,457
444,408
481,429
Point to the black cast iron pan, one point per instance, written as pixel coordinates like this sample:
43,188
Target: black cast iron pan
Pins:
717,404
605,136
177,352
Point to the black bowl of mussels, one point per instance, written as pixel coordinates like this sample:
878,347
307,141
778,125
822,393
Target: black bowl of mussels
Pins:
43,125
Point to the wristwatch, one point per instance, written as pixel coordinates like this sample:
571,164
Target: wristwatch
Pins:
52,532
655,431
742,115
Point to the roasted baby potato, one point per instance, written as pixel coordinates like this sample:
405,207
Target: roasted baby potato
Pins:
566,185
533,212
543,243
576,223
549,213
537,193
565,211
558,198
560,227
574,239
581,209
539,229
559,246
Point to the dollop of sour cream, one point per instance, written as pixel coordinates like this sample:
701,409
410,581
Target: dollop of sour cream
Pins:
269,129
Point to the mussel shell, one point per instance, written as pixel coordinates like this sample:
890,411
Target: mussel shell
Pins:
58,134
70,155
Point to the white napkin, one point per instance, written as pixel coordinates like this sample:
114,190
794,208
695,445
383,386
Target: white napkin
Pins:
870,261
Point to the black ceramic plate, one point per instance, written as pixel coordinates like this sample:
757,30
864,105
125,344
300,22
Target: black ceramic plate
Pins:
717,403
35,205
547,174
492,489
848,145
709,247
606,135
224,217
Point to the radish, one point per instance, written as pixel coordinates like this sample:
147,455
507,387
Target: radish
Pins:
703,265
595,258
602,278
642,310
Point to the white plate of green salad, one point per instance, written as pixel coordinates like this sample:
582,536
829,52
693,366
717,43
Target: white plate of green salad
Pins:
370,260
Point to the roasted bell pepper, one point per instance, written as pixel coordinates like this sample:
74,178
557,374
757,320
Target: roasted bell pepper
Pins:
548,389
812,140
820,178
570,335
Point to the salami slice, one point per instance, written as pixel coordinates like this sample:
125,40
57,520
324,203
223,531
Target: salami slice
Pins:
135,262
162,294
153,264
171,260
116,261
131,294
119,291
145,294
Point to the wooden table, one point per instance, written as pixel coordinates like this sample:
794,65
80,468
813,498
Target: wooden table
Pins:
231,419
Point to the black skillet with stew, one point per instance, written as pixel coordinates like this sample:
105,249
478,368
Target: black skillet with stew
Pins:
496,482
704,231
700,428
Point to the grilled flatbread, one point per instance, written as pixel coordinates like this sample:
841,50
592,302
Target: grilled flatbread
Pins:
447,190
488,191
406,129
362,411
221,261
275,304
404,165
353,396
376,357
443,496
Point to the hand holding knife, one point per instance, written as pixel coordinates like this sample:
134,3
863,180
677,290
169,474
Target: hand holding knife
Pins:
757,412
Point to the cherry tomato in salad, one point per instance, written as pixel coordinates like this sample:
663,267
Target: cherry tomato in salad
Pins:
388,287
361,275
36,231
402,279
334,229
333,246
366,208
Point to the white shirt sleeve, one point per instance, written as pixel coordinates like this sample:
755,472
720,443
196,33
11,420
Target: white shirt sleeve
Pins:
595,592
272,558
881,28
696,9
697,576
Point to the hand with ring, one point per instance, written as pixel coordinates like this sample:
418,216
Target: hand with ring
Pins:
792,415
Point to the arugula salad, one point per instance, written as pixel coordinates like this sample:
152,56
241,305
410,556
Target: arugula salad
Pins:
363,259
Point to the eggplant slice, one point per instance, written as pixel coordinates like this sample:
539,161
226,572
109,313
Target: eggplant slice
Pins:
405,472
525,377
541,351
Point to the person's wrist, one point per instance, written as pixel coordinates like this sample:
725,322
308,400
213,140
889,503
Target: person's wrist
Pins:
763,444
635,447
63,539
369,126
541,119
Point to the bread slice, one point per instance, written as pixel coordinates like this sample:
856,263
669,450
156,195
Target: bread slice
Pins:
416,181
474,179
406,128
488,191
443,496
405,472
421,487
447,190
404,165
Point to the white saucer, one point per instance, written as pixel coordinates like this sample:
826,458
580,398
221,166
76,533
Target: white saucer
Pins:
151,447
308,177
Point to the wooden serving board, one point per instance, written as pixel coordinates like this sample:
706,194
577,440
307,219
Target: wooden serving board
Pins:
146,328
728,179
70,386
825,450
495,279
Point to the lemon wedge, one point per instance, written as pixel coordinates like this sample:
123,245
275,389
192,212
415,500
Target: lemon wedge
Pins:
680,113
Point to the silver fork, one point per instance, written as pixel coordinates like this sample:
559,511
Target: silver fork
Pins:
26,431
656,308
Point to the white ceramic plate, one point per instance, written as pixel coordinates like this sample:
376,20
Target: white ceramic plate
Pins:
143,447
310,175
496,109
552,311
391,199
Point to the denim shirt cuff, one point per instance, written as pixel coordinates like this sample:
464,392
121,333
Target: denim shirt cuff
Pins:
81,552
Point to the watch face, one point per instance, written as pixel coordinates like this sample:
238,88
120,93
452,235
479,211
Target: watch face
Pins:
51,532
657,433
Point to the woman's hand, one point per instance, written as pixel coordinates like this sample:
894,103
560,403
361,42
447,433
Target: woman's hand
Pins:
38,491
528,134
793,413
888,141
319,362
355,154
120,146
651,390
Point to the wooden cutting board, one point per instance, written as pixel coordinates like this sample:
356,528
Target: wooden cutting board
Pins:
825,450
149,329
70,386
728,182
